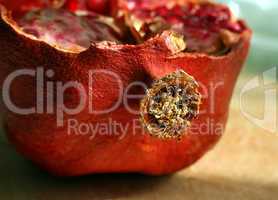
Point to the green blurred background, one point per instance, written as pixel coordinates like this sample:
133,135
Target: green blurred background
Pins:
261,16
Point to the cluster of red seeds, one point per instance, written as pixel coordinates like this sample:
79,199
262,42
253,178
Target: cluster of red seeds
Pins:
201,24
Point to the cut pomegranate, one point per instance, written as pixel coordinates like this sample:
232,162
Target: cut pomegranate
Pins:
184,47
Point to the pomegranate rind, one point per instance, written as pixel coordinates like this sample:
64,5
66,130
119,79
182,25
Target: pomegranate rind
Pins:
37,137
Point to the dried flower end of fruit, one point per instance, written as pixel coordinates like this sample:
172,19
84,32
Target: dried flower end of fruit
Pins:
170,105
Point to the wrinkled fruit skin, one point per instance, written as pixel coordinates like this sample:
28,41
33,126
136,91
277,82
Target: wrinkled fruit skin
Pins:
38,138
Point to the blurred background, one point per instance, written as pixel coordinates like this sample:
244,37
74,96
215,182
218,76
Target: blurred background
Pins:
262,16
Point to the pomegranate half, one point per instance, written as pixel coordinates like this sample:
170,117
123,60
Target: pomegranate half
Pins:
188,53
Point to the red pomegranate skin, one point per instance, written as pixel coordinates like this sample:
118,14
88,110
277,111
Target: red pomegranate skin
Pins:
37,137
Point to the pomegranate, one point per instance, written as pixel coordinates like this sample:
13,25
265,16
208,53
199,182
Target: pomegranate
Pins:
187,53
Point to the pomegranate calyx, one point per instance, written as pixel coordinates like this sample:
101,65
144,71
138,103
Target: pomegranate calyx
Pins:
170,105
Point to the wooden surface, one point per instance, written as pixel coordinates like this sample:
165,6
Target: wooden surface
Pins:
243,166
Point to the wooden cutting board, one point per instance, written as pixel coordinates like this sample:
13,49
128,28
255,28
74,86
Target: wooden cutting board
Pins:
243,166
